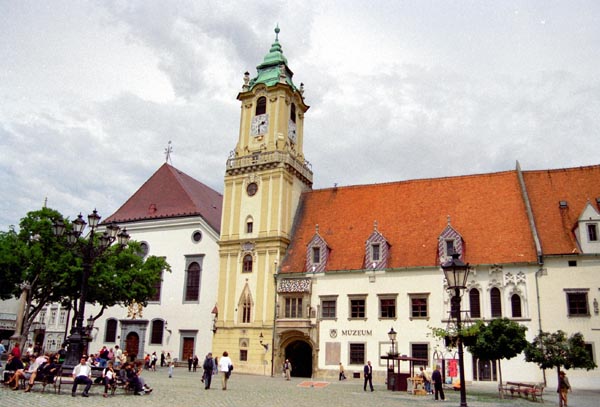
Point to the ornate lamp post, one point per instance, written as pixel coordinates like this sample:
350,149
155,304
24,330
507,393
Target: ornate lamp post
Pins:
89,252
392,336
456,273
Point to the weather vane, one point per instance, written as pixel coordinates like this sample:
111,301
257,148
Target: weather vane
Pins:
168,152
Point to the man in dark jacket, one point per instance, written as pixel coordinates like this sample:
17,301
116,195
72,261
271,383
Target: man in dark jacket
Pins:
436,378
208,366
368,372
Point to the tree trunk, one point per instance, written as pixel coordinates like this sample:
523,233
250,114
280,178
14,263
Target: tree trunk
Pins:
558,386
500,376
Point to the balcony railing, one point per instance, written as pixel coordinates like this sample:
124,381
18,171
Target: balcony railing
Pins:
267,159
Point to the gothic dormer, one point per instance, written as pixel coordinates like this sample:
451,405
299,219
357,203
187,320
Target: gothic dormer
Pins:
317,253
450,241
587,228
376,250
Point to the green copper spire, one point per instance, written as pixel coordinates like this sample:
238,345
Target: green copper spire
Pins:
274,68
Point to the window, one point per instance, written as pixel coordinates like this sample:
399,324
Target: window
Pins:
572,263
449,247
261,105
244,355
247,266
62,317
590,350
111,330
293,307
328,307
156,336
246,309
293,113
252,188
420,351
192,286
454,306
515,303
577,303
387,307
52,317
418,305
474,303
495,302
316,254
592,229
196,236
144,249
249,226
42,316
358,307
357,353
375,252
157,287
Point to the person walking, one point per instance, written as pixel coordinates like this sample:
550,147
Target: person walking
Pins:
563,388
342,373
208,367
368,373
436,378
195,363
225,366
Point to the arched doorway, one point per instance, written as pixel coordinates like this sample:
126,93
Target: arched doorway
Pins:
132,345
299,354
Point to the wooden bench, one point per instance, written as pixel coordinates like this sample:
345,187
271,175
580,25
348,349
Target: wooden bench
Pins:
65,377
527,390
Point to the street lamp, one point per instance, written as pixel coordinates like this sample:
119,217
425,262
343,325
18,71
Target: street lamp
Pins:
89,252
392,336
456,273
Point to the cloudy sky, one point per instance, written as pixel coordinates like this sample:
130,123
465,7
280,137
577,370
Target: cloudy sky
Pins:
91,92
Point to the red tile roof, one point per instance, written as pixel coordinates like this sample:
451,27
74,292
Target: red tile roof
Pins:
488,210
546,188
170,193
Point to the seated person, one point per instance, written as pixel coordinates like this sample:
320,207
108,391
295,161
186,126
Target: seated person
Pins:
13,364
25,374
108,377
40,363
81,374
133,379
45,372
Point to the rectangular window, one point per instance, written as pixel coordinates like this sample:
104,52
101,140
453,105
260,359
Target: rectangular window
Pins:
420,351
52,317
328,308
449,247
577,304
357,354
316,254
358,308
62,317
157,287
243,355
42,316
590,350
387,308
418,305
375,252
293,308
592,229
249,227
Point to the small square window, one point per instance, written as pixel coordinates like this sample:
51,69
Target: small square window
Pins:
387,308
357,354
328,308
577,303
418,306
358,308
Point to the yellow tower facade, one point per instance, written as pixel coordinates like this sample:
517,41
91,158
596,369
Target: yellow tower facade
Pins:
264,178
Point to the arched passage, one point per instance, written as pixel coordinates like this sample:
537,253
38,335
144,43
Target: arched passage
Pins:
132,345
300,355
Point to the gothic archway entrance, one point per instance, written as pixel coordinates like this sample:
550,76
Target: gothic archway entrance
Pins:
300,355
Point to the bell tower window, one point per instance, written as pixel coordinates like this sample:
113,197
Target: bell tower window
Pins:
293,113
261,106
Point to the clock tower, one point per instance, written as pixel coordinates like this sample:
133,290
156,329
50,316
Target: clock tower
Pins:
264,177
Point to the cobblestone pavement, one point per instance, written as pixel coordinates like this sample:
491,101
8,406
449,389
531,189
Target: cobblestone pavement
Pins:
185,389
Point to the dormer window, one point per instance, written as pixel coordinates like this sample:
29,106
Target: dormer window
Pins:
449,243
316,255
375,252
449,247
592,230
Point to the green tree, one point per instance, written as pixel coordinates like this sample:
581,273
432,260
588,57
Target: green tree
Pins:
41,269
500,339
555,350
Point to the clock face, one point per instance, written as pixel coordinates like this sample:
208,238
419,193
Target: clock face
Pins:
292,130
260,124
252,188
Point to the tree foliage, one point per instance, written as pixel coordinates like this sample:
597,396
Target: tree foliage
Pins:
555,350
500,339
34,263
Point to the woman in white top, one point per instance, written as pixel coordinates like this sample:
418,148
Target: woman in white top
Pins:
225,367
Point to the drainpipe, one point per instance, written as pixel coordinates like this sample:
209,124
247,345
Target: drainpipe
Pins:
274,319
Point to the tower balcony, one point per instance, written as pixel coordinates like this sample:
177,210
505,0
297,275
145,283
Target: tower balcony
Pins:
270,159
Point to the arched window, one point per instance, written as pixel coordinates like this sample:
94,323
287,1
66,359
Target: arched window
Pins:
192,287
156,336
515,302
245,306
111,330
474,303
261,106
247,266
293,113
495,302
